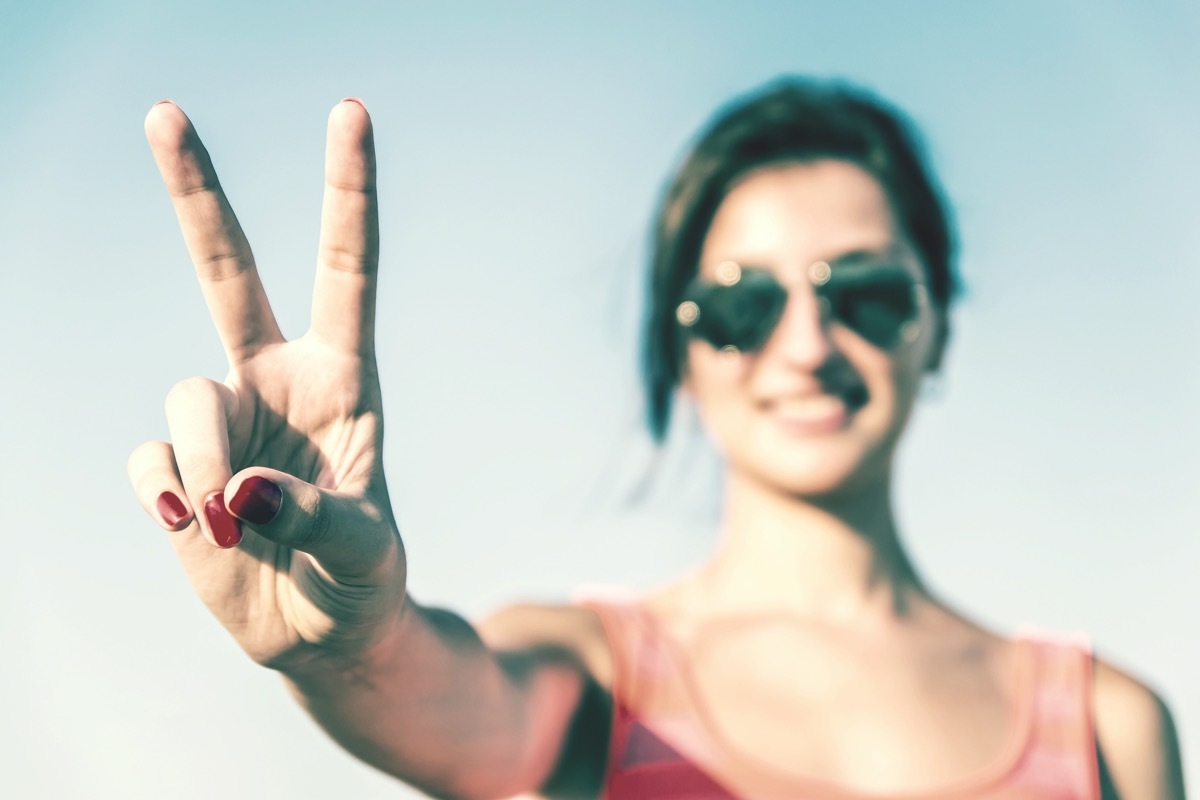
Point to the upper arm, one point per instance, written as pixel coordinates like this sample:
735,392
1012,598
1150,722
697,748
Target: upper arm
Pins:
559,655
1137,737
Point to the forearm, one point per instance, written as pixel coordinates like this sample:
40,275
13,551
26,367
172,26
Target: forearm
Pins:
432,705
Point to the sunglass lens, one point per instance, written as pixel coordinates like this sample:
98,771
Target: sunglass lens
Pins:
742,315
875,308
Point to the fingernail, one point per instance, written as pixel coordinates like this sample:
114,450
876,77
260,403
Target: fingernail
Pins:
355,100
171,509
226,530
257,500
160,102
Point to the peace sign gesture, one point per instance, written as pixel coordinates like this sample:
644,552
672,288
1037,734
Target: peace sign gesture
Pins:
272,484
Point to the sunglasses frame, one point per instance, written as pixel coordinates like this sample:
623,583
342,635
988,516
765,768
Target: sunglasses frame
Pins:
818,274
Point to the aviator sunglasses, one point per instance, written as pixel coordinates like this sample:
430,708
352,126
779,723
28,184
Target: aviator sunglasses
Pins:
738,311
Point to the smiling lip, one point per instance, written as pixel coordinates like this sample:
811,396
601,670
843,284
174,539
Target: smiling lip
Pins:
814,414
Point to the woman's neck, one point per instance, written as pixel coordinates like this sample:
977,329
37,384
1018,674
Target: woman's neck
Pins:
837,560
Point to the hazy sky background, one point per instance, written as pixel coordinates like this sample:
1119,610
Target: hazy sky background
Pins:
1052,478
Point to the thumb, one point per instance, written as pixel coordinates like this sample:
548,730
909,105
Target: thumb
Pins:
345,534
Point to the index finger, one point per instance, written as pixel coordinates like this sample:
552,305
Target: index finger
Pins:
218,247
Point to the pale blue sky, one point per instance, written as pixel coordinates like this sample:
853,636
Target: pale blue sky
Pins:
1052,479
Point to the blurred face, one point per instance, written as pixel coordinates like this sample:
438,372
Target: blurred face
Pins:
818,408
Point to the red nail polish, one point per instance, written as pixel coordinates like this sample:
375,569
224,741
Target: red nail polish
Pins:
257,500
171,509
226,530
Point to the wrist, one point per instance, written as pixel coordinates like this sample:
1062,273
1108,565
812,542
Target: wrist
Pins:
357,660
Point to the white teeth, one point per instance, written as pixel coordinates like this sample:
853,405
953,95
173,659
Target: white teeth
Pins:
809,407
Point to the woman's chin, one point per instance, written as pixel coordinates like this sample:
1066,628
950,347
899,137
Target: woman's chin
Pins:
827,467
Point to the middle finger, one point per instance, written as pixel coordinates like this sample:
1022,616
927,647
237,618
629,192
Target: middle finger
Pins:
348,258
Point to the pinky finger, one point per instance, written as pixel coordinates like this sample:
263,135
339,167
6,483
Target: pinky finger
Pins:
155,478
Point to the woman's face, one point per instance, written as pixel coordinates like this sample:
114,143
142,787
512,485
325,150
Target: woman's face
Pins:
817,410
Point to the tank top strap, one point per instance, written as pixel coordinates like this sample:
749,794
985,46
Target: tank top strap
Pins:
628,639
1061,752
644,755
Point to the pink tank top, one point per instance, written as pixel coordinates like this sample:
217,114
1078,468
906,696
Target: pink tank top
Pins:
661,748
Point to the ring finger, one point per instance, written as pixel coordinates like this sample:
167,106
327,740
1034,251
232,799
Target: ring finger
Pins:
199,412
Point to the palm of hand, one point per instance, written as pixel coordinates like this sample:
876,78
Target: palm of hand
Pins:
305,409
323,573
310,412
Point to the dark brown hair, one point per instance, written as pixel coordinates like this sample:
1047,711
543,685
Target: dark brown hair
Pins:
789,120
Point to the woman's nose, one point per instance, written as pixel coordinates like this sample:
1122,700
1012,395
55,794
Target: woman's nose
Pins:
802,336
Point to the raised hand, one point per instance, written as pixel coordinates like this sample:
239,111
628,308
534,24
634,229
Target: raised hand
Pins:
309,563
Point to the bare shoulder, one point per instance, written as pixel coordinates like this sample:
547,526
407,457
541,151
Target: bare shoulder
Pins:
566,631
1137,736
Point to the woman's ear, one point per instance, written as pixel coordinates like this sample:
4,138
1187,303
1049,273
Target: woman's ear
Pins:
937,350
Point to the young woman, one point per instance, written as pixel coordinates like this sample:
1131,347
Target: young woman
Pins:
799,290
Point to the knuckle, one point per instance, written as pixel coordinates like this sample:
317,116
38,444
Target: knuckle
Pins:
190,391
206,472
225,266
150,463
320,522
139,458
342,259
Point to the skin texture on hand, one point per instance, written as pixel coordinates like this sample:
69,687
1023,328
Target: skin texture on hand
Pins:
312,565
